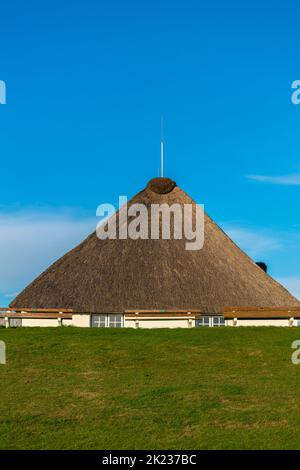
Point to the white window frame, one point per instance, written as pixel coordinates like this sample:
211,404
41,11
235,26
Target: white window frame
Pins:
220,321
115,320
211,321
97,320
15,322
107,320
204,322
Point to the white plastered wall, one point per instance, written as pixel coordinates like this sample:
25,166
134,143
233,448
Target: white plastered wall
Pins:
46,322
159,323
82,320
260,322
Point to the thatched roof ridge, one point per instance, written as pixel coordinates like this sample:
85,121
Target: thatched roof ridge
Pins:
161,185
117,275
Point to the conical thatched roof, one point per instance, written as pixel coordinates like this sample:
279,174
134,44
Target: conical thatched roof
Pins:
115,275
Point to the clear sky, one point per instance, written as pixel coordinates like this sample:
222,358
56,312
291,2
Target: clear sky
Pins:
87,83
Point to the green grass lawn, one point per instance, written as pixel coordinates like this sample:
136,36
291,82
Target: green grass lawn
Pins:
227,388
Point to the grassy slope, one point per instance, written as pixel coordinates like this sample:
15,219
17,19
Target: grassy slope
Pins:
108,389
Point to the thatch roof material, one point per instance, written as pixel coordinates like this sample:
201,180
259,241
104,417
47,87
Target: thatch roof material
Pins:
161,185
117,275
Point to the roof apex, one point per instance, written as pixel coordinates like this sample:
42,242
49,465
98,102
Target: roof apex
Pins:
161,185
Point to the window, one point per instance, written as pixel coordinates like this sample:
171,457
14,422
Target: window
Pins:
15,322
98,321
218,321
210,321
203,321
115,321
107,321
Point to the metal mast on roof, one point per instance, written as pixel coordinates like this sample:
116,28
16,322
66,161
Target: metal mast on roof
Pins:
162,148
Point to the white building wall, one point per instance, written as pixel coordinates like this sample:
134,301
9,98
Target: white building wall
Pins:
46,322
81,320
84,320
159,323
259,322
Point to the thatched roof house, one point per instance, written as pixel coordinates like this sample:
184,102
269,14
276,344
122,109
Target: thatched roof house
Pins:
111,276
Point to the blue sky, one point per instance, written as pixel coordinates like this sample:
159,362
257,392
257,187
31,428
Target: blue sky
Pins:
87,83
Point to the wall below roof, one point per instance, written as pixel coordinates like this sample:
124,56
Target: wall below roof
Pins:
38,322
259,322
145,321
44,322
159,322
82,320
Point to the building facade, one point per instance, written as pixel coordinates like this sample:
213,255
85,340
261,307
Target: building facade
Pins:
232,317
